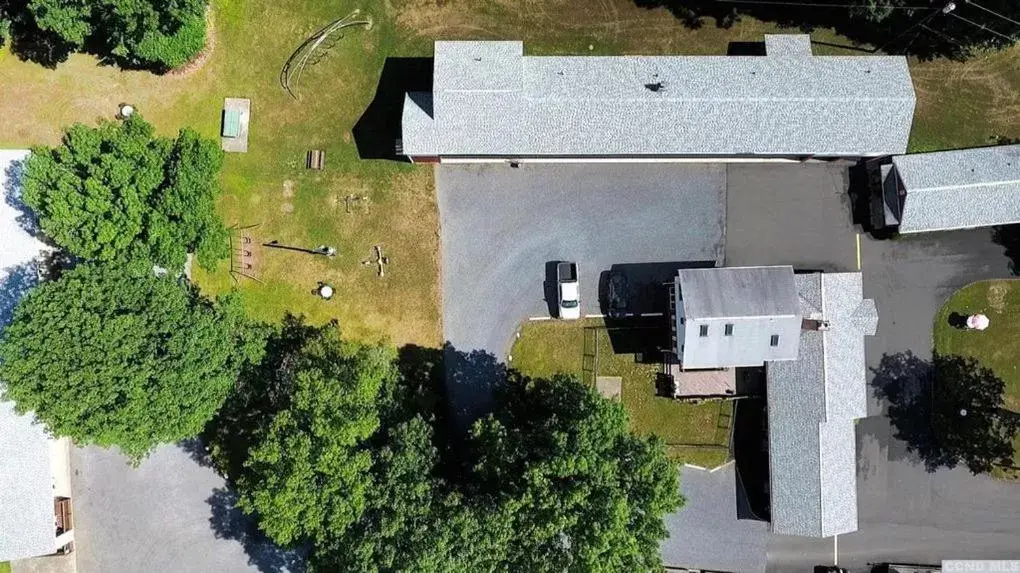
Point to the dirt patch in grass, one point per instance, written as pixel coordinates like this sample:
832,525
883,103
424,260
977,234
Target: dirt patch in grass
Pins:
997,296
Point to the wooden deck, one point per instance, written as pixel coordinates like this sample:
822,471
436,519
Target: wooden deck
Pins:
695,383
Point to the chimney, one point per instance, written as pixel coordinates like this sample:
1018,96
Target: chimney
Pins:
812,324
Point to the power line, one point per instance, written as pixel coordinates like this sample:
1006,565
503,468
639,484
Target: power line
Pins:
943,35
817,4
976,5
935,11
983,27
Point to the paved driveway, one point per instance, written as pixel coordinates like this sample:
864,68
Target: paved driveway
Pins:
789,215
706,532
169,515
907,513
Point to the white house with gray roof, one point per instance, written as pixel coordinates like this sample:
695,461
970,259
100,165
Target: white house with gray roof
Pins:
808,331
958,189
490,102
735,316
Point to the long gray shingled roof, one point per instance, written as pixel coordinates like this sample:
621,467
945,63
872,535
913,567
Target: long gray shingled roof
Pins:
26,479
738,292
26,487
812,404
489,99
959,189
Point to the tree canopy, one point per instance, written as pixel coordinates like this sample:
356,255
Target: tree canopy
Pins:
588,495
309,474
353,461
115,356
118,191
895,26
156,34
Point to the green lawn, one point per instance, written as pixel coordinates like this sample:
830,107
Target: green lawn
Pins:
696,434
959,104
5,567
997,347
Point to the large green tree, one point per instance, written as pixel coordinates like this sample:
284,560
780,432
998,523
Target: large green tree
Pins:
308,477
587,494
118,191
115,356
159,34
354,462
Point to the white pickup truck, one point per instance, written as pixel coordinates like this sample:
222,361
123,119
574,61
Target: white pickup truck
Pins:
568,290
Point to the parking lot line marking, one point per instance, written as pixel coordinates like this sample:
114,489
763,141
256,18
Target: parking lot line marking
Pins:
594,316
835,543
540,318
652,314
858,251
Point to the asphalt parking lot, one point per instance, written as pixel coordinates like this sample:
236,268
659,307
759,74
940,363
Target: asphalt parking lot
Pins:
706,532
172,514
502,225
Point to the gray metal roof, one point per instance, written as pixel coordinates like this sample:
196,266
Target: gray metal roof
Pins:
812,404
738,292
26,479
958,189
491,100
739,310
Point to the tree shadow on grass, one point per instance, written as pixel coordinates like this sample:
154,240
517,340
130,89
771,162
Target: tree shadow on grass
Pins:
949,411
30,44
229,522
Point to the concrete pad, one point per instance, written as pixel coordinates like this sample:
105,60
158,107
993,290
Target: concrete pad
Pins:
46,564
237,144
609,386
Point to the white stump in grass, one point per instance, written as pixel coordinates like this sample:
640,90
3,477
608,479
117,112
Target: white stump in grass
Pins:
977,322
326,292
